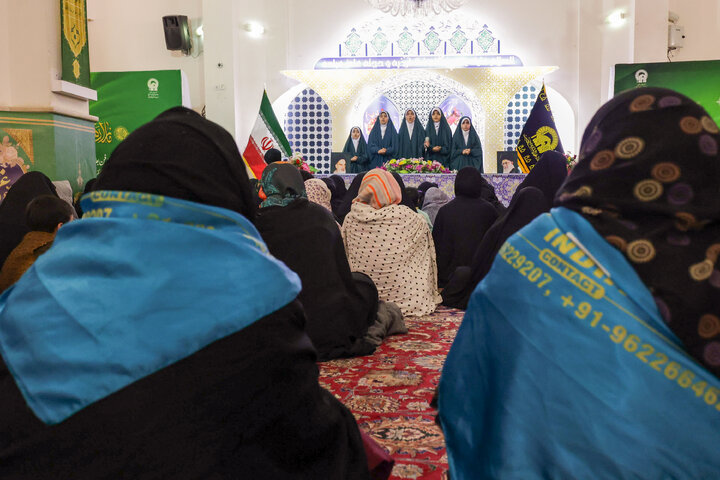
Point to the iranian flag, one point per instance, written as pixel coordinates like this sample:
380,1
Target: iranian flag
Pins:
266,134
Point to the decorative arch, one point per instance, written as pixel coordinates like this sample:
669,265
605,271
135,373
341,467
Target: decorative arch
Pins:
518,111
421,90
308,126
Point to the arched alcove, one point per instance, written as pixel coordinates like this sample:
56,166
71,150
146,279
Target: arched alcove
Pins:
308,126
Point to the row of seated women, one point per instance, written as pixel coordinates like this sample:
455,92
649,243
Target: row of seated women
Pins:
588,350
159,338
434,141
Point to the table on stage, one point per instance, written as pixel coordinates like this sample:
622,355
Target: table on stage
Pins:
504,183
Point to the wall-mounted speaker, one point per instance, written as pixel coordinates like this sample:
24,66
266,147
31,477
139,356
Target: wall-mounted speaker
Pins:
177,33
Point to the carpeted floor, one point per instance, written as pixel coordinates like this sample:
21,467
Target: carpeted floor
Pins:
390,391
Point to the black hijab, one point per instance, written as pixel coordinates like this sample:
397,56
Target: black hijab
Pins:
648,180
548,175
488,194
350,195
305,237
470,183
198,161
13,226
337,189
460,225
533,196
406,200
527,204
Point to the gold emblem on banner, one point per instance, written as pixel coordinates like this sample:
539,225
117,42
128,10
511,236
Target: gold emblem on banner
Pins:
103,132
546,138
75,29
121,133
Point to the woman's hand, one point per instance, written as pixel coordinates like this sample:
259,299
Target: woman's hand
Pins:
436,149
382,151
353,159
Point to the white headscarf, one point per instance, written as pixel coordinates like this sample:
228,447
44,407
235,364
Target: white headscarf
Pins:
356,142
465,135
410,125
437,124
382,130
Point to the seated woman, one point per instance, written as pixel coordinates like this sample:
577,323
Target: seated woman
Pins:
413,196
13,224
382,142
350,195
422,188
534,196
591,349
411,137
392,245
339,306
44,216
158,338
439,138
318,192
488,194
466,147
337,189
434,200
356,150
460,225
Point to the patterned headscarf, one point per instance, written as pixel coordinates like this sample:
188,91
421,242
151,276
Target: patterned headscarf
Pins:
281,184
318,192
648,180
379,189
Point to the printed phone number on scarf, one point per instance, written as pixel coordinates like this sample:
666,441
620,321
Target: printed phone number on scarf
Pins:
618,334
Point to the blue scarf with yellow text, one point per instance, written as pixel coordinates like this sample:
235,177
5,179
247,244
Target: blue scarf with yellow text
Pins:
563,368
141,282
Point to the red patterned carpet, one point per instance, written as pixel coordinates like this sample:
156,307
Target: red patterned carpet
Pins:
389,393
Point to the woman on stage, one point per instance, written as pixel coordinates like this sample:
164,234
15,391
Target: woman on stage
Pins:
466,147
438,141
356,150
410,137
382,142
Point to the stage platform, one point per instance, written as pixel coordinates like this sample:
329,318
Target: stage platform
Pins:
504,183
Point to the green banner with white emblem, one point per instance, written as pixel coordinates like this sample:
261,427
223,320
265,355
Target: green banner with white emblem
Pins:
127,100
698,80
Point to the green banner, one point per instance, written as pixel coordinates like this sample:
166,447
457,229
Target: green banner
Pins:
127,100
698,80
74,42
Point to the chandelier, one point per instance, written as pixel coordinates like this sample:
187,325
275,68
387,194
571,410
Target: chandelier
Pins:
416,8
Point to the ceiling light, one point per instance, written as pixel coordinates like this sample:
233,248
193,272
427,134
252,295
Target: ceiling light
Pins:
254,29
616,18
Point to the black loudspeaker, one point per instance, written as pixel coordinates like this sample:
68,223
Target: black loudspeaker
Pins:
177,33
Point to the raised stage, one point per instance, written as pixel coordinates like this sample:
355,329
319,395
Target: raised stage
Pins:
504,183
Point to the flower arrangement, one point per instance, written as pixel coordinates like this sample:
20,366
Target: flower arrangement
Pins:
297,159
571,161
414,165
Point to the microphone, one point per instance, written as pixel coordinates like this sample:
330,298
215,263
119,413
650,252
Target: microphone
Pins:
425,145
